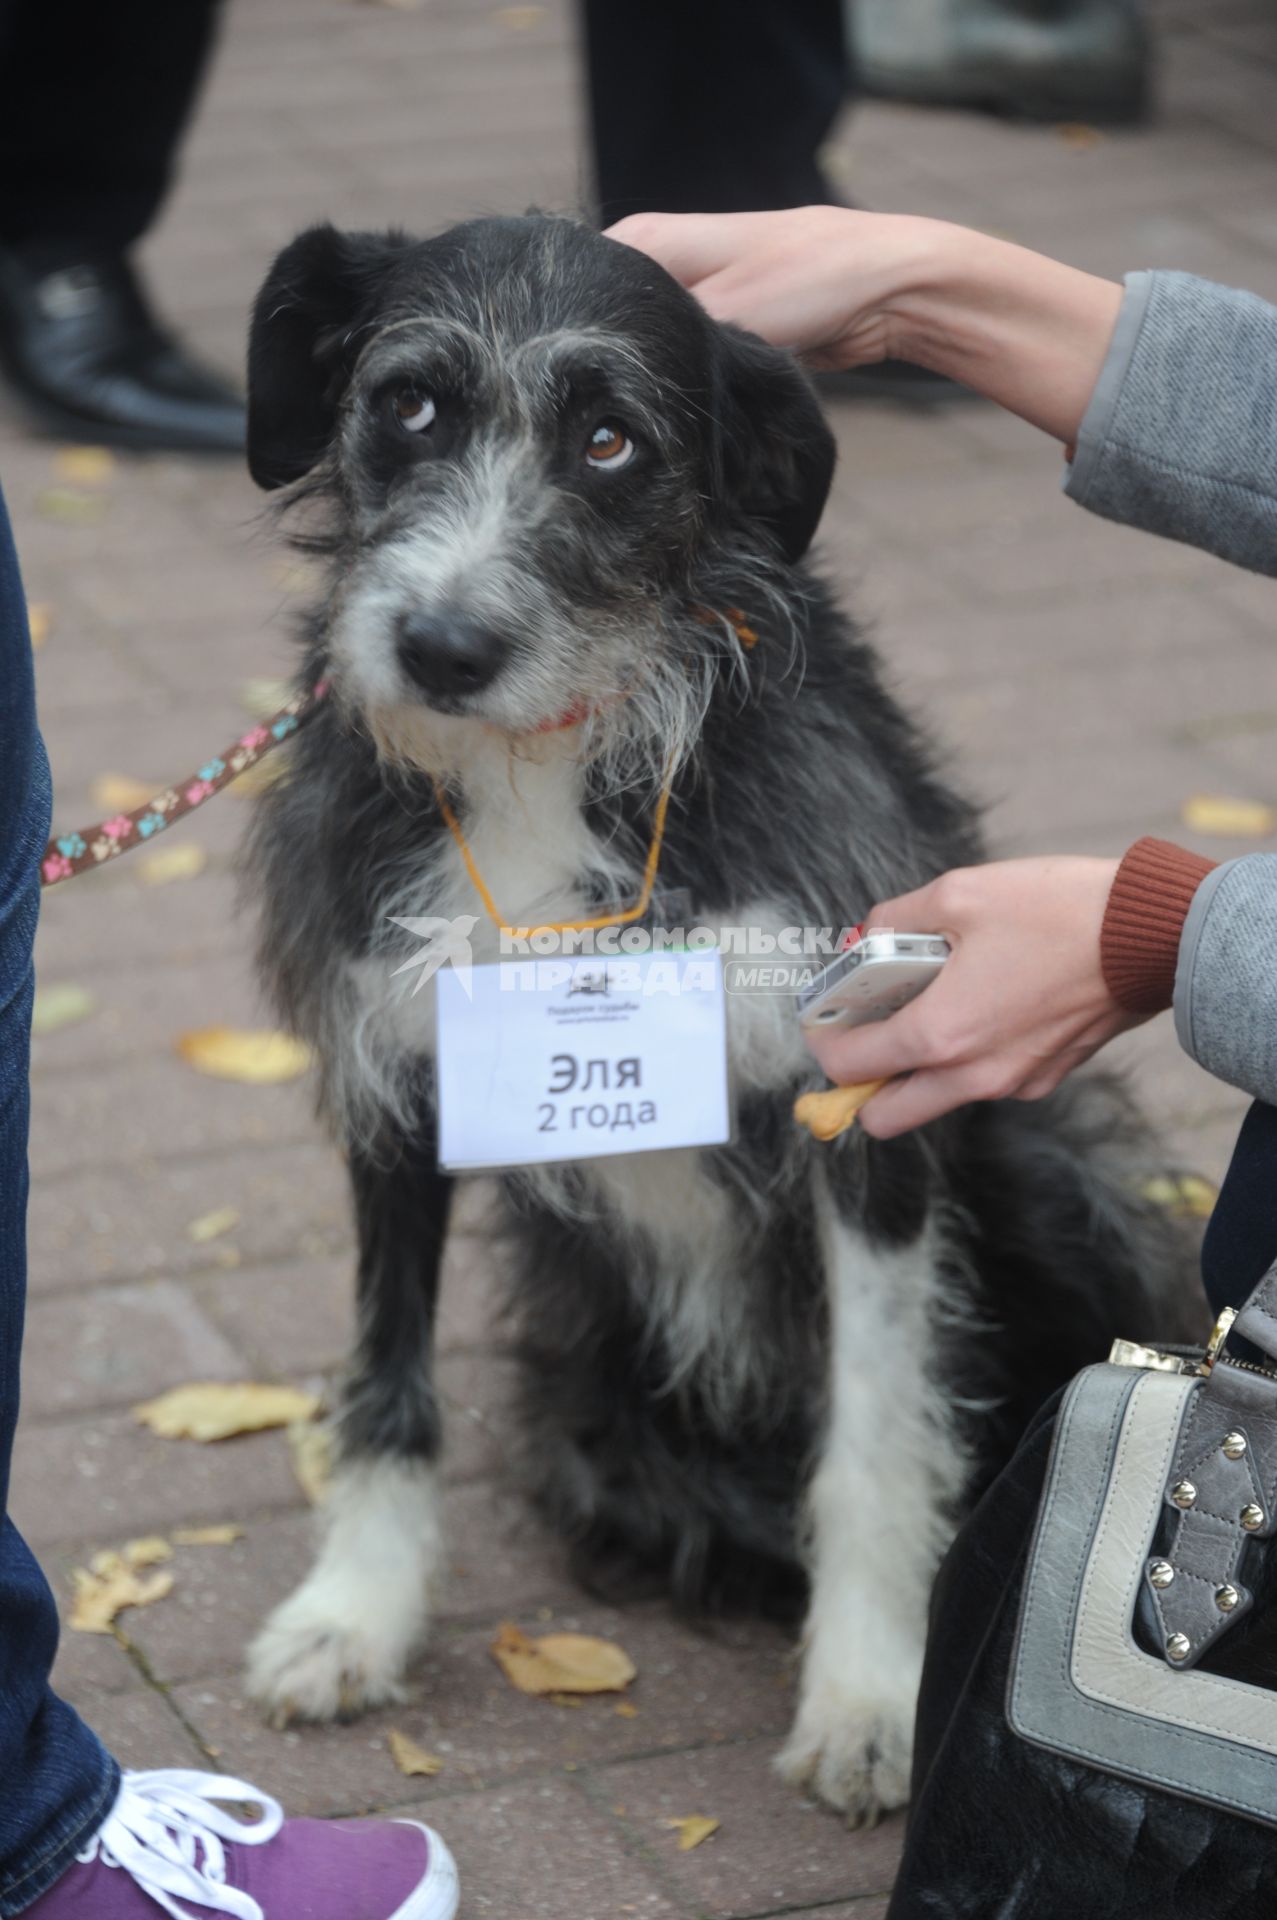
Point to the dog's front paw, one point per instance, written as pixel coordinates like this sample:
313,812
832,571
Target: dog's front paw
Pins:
312,1663
854,1754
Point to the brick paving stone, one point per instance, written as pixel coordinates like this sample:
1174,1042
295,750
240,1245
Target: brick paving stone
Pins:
125,924
155,1107
539,1851
294,1316
118,1346
775,1850
131,1221
142,1731
691,1690
109,1479
89,1664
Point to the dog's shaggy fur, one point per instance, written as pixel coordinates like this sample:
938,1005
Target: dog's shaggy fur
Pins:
770,1373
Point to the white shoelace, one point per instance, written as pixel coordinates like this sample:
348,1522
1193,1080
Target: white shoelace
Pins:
166,1833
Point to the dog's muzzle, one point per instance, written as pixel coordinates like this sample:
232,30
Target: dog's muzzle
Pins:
448,655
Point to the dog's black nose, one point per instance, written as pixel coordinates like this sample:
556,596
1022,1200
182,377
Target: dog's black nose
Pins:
448,655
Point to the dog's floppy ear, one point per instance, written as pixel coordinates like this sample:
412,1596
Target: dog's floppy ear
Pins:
299,349
776,449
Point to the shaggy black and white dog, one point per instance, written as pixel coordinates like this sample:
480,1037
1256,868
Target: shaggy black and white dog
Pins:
772,1373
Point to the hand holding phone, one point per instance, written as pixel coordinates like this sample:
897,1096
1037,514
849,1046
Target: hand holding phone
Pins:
882,972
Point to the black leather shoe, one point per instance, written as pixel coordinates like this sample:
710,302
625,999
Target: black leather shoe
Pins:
1085,60
82,348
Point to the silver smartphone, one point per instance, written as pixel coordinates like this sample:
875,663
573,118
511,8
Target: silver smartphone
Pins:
877,976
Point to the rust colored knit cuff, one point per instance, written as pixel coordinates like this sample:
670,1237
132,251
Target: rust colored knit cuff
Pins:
1147,906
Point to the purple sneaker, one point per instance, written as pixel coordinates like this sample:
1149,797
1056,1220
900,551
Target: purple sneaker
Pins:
168,1846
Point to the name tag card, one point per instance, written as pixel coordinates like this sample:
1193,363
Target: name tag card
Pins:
571,1059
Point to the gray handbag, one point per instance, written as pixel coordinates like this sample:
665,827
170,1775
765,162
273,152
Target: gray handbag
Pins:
1097,1725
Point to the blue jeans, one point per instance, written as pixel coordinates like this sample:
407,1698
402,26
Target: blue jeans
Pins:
57,1782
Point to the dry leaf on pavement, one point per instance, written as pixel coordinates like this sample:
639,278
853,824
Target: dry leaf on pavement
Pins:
312,1448
255,1056
412,1759
264,695
84,466
182,862
151,1551
60,1005
211,1226
72,507
39,622
110,1584
1216,813
1185,1195
224,1535
212,1410
561,1662
121,793
692,1830
259,776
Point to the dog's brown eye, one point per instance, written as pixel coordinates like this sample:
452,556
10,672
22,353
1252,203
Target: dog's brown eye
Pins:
609,445
414,411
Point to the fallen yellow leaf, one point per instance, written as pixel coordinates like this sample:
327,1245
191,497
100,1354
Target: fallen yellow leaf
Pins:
565,1699
626,1709
520,19
692,1830
561,1662
260,776
60,1005
180,862
84,466
264,695
1215,813
39,622
72,508
412,1759
1186,1195
830,1113
296,574
1079,136
211,1226
312,1448
151,1551
108,1587
121,793
224,1535
213,1410
258,1058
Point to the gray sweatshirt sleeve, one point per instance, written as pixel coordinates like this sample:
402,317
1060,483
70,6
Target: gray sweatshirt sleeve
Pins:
1226,977
1180,437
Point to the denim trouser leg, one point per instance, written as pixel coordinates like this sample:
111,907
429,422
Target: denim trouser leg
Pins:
57,1782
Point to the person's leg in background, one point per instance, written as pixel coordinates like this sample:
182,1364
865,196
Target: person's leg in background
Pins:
723,107
56,1781
93,103
718,107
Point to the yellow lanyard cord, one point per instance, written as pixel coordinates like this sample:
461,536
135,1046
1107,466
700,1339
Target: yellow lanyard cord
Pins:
493,912
748,639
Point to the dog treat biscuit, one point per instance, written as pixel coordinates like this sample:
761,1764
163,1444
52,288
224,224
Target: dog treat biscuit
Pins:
830,1113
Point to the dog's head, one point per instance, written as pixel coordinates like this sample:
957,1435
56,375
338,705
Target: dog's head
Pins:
534,442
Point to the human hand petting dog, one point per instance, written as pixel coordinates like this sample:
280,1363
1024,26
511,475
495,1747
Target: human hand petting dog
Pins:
1020,1002
844,288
